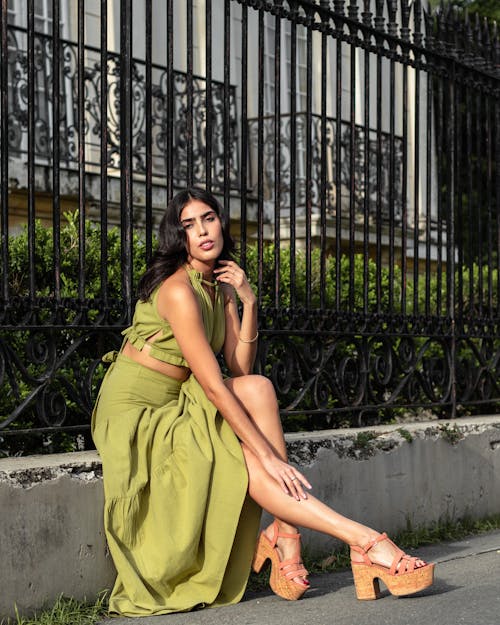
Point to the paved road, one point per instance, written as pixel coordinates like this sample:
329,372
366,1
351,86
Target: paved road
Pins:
466,592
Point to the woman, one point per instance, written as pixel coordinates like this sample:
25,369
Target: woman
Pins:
190,457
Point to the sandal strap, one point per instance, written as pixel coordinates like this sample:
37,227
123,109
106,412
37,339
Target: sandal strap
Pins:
375,541
362,552
284,535
399,559
298,571
277,534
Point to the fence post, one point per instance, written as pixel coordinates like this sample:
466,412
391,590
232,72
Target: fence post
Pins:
126,154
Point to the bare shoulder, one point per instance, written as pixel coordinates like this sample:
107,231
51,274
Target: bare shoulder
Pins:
175,291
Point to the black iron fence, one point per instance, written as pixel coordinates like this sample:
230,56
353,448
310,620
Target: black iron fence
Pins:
356,146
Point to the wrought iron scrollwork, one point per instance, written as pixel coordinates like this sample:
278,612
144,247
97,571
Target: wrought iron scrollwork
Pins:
194,139
379,151
330,373
49,378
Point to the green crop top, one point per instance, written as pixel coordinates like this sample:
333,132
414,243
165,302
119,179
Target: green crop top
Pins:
147,322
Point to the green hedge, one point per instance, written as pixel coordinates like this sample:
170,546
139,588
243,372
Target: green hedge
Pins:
352,293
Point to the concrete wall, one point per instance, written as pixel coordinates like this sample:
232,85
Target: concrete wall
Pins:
52,540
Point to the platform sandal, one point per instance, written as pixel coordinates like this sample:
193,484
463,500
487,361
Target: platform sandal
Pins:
403,577
283,573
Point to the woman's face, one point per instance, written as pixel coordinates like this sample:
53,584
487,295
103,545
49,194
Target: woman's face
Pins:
203,228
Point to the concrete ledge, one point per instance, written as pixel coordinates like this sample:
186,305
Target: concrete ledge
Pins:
52,540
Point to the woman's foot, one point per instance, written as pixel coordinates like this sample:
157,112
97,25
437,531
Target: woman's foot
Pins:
288,548
380,559
379,551
288,577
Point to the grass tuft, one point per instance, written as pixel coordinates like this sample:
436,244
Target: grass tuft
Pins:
66,611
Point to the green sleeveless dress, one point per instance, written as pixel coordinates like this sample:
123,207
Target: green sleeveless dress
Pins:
180,525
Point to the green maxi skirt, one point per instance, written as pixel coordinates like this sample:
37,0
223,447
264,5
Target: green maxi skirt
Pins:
180,526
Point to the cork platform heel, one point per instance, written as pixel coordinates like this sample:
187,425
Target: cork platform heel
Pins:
282,575
403,577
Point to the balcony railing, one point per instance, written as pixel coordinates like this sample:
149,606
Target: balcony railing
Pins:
344,174
178,89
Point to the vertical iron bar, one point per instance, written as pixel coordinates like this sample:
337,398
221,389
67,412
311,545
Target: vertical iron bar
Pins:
441,178
4,156
392,177
459,230
379,23
56,149
126,153
479,203
378,236
260,157
338,177
208,94
470,201
366,177
416,193
404,186
170,117
309,61
450,234
323,185
31,151
104,153
293,158
228,140
244,134
428,192
352,173
81,154
496,129
277,158
488,188
189,94
148,38
405,36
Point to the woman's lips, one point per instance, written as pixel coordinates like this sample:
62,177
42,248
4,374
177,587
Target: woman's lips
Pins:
207,245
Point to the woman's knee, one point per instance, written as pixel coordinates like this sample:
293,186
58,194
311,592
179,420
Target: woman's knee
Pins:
253,386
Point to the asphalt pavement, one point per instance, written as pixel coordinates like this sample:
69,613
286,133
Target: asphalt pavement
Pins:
466,592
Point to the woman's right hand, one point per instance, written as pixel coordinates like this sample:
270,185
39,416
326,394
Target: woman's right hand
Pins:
290,479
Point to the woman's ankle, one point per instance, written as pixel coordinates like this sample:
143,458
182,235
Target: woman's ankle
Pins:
286,528
364,538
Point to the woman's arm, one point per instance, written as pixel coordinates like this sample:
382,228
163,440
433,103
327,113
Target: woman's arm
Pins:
240,345
178,304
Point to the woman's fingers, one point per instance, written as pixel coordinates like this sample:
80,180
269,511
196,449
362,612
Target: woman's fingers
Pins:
296,485
230,272
293,483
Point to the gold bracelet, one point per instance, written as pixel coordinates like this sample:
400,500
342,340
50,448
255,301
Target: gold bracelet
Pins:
251,340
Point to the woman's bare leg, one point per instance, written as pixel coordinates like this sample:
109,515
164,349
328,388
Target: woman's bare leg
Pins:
256,395
313,514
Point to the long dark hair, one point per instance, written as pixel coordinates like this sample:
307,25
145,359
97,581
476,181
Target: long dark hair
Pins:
172,253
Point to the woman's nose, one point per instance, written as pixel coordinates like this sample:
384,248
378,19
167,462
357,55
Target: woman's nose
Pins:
201,228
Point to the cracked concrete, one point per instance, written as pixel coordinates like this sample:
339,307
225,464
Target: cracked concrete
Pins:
27,478
388,476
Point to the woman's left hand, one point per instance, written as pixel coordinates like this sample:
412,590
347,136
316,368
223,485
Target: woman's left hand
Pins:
231,273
